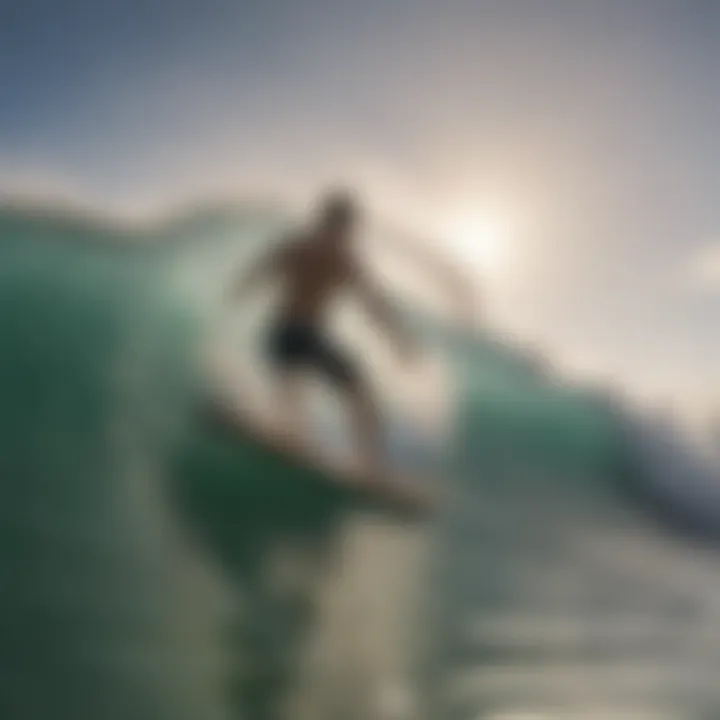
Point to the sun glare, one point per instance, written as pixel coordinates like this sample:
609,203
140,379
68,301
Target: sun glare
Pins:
478,242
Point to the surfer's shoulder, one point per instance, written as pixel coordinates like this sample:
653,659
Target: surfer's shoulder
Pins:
292,240
293,245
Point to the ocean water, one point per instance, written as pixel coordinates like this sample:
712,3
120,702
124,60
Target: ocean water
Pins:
151,568
577,562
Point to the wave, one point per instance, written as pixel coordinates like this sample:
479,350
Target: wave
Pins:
139,547
145,553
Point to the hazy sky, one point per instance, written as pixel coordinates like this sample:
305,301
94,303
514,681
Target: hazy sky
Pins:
583,132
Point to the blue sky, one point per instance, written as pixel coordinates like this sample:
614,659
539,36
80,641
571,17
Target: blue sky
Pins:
585,130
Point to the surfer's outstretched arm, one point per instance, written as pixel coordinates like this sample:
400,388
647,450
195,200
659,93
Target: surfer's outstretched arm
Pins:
454,282
260,272
383,312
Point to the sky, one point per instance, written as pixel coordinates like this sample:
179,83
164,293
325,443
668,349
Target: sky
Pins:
564,150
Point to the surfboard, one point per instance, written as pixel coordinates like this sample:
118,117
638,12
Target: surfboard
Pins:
406,495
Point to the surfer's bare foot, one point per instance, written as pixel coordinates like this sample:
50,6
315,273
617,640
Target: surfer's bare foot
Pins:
293,440
376,470
381,476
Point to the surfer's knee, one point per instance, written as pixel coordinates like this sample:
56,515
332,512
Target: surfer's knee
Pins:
362,399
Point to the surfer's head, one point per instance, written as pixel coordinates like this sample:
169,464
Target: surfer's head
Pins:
338,214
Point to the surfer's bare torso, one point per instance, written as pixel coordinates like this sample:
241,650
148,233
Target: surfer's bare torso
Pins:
312,273
309,271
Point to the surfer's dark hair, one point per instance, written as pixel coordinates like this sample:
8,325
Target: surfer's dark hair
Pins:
338,206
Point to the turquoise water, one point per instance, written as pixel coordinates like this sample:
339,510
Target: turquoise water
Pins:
567,586
127,531
139,548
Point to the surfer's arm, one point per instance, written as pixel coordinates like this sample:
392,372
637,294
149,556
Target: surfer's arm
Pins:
452,280
257,273
382,311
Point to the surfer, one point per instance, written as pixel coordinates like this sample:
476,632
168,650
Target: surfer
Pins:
312,267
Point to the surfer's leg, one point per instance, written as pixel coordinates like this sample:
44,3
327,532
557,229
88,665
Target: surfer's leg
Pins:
289,405
367,427
342,371
289,348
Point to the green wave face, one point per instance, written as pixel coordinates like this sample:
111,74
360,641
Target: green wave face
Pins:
570,582
139,548
151,568
101,615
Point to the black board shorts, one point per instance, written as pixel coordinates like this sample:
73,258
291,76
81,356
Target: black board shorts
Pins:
295,345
